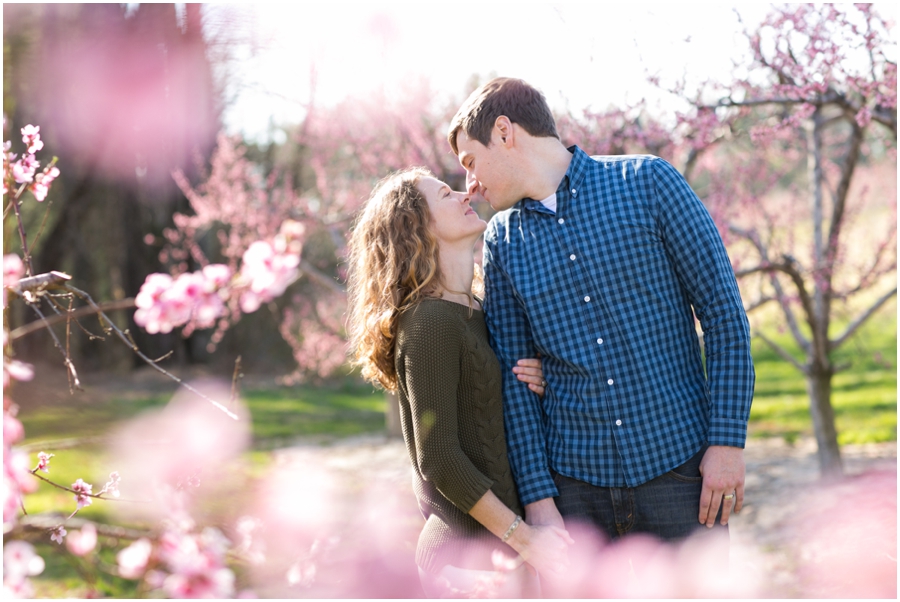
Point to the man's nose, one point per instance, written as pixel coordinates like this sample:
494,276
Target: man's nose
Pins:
471,183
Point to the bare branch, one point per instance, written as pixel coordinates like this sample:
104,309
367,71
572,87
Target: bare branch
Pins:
125,339
41,282
46,522
320,277
781,351
81,311
860,320
67,361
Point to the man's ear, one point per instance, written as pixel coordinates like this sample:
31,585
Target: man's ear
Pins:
503,130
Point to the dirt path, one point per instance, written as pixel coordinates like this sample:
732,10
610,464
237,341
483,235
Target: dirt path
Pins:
781,480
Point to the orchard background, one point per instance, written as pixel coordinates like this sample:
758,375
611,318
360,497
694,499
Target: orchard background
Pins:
174,302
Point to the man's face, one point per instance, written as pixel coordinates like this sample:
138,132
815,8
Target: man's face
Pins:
489,172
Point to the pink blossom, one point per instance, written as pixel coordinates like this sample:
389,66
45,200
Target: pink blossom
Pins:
82,542
152,314
23,169
82,493
13,270
12,428
16,370
15,463
133,559
19,563
42,181
112,486
58,534
218,583
32,138
44,461
268,272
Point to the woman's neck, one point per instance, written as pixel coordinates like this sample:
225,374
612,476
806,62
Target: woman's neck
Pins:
457,271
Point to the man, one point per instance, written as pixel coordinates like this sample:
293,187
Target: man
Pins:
596,263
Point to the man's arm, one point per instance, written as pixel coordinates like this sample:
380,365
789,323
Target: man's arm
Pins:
523,416
704,270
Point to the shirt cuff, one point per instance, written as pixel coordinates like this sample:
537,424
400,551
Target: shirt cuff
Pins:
536,487
728,431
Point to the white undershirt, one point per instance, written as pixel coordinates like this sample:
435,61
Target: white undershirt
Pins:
550,202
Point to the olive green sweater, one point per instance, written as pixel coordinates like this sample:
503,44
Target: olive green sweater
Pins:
452,420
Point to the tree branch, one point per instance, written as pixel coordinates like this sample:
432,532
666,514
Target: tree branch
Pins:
125,339
781,351
81,311
860,320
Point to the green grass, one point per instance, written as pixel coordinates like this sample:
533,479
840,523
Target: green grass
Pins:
864,395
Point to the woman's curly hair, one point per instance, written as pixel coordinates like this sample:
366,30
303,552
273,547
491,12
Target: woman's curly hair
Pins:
393,264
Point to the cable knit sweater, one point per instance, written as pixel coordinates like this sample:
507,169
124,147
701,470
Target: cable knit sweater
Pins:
452,420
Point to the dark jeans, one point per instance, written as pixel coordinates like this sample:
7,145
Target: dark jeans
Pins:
667,506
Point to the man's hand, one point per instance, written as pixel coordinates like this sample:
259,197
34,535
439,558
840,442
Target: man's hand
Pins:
722,468
544,512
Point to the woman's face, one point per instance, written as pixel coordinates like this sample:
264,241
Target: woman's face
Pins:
452,218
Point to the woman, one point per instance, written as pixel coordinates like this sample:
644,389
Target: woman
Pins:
416,328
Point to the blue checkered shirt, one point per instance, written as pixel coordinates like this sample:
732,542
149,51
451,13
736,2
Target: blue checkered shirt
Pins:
603,289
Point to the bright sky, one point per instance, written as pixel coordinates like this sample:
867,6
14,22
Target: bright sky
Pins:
578,53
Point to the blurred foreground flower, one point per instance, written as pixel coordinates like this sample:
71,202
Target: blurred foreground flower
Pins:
19,563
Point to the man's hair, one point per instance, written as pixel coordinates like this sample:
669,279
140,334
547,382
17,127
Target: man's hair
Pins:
515,98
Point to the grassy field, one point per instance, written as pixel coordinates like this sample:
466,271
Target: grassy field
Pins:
864,396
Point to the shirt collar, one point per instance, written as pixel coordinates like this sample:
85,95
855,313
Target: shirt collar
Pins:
571,181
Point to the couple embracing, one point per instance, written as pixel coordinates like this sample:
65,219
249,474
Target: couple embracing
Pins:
596,266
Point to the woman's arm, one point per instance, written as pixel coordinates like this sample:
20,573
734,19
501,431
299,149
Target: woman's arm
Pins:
543,547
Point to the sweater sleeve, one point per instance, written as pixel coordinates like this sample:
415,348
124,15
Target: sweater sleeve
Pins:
430,352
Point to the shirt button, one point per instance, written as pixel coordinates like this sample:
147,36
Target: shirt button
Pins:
618,423
599,341
574,192
560,220
586,299
572,256
609,382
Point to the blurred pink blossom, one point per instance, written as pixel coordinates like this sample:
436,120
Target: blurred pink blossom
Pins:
84,541
133,559
43,462
16,370
13,431
112,486
13,270
83,491
268,273
58,534
19,563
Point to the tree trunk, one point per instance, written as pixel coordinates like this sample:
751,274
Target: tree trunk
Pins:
392,414
818,384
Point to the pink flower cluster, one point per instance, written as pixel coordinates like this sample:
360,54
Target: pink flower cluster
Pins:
183,565
269,268
165,303
24,171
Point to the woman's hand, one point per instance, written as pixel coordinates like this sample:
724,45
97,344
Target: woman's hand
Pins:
529,371
544,547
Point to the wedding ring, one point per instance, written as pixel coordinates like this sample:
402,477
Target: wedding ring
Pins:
729,496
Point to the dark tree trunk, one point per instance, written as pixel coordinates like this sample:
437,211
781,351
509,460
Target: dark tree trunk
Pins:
818,383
